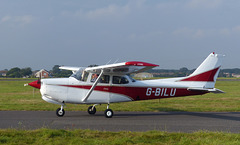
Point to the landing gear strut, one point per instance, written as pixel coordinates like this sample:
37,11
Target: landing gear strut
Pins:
60,112
92,110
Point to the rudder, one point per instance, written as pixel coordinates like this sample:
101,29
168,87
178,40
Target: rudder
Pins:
207,71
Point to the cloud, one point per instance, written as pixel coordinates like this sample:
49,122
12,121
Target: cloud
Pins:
236,29
146,36
111,11
22,20
5,19
230,31
204,33
207,4
188,32
225,32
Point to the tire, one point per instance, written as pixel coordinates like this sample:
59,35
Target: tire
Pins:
60,113
108,113
92,111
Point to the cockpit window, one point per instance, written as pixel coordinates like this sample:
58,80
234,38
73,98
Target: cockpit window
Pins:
77,75
120,80
80,75
104,79
94,77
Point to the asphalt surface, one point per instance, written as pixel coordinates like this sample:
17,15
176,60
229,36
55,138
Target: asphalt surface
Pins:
127,121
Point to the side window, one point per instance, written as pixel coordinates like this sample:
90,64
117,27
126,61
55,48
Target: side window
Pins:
120,80
104,79
94,77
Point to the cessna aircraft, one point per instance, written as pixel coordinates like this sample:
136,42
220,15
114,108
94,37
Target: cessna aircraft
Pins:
112,83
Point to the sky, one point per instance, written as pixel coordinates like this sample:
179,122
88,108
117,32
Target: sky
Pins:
171,33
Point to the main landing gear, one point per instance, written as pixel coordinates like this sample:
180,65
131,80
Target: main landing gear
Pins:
60,112
108,112
91,110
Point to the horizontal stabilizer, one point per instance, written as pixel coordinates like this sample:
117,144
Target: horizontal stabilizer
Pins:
214,90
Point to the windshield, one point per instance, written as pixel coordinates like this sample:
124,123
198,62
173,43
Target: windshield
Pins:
80,75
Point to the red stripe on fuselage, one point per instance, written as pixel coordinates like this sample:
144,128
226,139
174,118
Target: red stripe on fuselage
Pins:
142,93
204,77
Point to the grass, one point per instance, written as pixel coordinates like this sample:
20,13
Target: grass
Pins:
48,136
14,96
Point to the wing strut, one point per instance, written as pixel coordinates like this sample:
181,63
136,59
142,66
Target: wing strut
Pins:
93,87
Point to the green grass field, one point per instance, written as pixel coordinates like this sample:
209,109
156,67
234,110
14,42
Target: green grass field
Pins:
14,96
63,137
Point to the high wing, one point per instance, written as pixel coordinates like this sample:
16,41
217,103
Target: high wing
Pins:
73,69
118,68
122,68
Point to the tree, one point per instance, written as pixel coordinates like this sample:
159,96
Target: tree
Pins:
26,71
65,73
56,72
183,71
14,73
92,65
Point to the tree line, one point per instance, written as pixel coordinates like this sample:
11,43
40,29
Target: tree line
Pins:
56,72
27,72
182,72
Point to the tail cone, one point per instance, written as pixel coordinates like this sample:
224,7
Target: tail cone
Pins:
36,84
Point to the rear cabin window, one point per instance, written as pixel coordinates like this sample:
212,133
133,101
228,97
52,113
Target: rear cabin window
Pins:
120,80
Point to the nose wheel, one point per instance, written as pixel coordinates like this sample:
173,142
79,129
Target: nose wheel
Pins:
60,112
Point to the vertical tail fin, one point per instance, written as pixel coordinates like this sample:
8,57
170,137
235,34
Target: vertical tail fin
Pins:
206,74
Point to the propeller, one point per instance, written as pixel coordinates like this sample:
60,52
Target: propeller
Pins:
35,84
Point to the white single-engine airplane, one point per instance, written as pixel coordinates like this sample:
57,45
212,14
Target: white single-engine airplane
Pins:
111,83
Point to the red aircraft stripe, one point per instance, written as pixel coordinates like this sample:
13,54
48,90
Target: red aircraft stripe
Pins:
142,93
204,77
